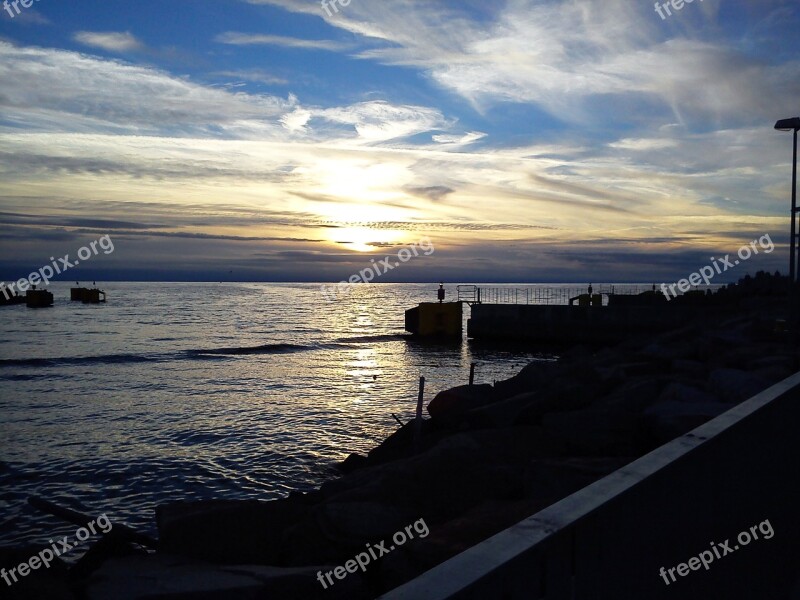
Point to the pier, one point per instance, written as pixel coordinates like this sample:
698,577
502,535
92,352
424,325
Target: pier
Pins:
558,314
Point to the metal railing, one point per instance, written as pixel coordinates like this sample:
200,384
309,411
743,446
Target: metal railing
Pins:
540,294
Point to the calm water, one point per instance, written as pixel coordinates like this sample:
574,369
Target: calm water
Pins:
198,391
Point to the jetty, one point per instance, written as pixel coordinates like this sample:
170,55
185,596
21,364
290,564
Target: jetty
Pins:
564,316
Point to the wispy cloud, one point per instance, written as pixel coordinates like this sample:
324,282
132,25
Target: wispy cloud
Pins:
251,39
254,75
111,41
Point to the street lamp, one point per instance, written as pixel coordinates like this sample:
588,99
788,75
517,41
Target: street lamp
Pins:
792,125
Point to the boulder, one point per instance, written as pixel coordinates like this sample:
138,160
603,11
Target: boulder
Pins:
227,532
734,385
565,397
670,419
595,432
164,576
549,480
500,414
51,583
356,522
633,396
534,377
681,393
449,406
450,538
692,368
353,462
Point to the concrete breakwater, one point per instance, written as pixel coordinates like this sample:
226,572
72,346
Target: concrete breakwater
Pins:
590,320
489,456
574,324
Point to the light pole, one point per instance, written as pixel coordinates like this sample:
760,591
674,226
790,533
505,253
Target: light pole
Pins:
792,125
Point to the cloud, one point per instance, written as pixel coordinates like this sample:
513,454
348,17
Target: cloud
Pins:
577,60
111,41
28,16
380,121
250,39
254,75
56,90
459,140
434,192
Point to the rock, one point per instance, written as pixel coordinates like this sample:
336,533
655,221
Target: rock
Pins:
449,406
549,480
500,414
633,396
680,393
400,443
692,368
445,481
353,462
515,445
671,408
639,369
668,420
772,368
765,362
667,352
227,532
734,385
450,538
595,432
570,396
164,576
51,583
534,377
354,522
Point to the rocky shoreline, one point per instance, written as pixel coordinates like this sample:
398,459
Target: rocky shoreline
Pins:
489,456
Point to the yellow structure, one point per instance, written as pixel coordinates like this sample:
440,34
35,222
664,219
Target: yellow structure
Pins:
435,319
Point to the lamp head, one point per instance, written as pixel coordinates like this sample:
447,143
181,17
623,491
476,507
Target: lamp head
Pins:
788,124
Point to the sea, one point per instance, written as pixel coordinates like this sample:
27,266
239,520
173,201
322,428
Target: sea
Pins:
199,391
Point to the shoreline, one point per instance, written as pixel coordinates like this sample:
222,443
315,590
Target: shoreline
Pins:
489,456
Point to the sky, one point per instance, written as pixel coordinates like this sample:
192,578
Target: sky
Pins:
284,140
